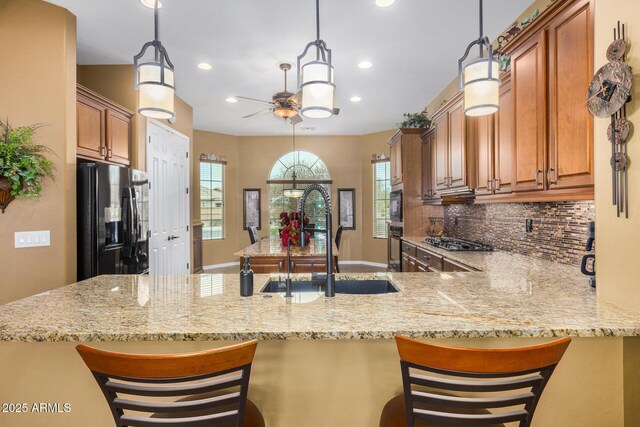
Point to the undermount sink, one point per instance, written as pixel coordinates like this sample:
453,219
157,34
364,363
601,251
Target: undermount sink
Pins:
351,287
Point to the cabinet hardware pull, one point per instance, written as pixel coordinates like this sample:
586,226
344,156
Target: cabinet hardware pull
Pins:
109,152
103,150
488,185
496,184
549,173
538,172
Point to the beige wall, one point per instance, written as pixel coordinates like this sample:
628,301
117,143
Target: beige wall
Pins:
373,250
250,160
617,254
219,251
37,85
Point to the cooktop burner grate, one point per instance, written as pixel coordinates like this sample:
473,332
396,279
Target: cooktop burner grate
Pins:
451,244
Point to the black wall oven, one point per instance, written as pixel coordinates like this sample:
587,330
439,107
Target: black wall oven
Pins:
395,206
394,259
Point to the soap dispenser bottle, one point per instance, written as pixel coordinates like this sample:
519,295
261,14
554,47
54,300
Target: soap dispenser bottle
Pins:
246,279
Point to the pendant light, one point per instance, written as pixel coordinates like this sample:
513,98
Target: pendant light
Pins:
154,78
315,78
294,193
480,81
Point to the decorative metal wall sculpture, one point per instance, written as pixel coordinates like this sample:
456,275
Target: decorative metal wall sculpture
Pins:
608,95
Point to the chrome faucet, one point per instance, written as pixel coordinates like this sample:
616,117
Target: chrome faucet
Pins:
288,280
330,289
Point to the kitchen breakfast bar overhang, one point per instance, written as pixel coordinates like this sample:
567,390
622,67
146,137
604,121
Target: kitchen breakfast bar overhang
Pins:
324,361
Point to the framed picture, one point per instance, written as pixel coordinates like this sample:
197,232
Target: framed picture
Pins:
347,208
251,212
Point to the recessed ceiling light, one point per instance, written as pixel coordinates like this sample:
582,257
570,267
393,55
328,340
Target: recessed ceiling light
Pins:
151,4
356,99
231,100
365,64
385,3
205,66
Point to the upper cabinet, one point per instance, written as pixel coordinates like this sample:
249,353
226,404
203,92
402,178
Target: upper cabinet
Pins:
553,131
396,159
570,61
451,168
104,129
428,172
529,101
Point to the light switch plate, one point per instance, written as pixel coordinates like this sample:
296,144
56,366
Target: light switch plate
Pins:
32,239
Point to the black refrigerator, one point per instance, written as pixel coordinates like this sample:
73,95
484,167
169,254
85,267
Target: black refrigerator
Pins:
113,220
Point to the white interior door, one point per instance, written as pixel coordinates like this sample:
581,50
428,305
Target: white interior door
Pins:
168,171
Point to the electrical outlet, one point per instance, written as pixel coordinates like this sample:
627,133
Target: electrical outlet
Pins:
528,224
30,239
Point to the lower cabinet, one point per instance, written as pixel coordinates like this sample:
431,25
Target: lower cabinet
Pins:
421,260
269,265
197,248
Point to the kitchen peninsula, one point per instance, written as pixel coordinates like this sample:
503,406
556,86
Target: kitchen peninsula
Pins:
270,256
335,352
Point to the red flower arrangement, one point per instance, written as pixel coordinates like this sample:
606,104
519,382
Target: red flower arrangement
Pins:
291,228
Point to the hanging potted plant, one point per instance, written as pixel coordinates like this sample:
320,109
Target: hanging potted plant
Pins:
23,165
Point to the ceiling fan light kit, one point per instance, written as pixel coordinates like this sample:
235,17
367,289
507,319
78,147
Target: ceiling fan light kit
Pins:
155,78
316,77
479,80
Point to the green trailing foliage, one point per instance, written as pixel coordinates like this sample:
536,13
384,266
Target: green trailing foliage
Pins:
415,121
22,161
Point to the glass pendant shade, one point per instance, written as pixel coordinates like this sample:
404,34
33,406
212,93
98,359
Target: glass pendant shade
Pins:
156,98
293,193
285,112
481,93
317,90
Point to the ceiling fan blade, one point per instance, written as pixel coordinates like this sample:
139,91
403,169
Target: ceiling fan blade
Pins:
295,119
258,113
246,98
296,98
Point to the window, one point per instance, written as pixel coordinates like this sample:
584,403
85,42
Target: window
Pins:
212,199
309,169
381,190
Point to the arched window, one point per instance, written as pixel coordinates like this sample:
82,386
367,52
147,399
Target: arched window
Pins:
309,169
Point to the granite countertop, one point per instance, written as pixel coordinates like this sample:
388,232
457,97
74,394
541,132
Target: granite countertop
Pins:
481,261
518,296
272,247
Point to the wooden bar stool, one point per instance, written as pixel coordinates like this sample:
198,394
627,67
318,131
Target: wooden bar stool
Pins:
193,389
518,374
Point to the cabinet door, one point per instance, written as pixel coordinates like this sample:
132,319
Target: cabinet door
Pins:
398,146
570,124
483,130
529,99
441,156
90,128
426,166
405,263
503,140
266,265
118,137
457,146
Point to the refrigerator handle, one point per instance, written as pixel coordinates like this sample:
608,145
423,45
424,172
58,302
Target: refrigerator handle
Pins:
129,249
136,227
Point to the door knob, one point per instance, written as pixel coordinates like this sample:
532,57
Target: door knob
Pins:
173,237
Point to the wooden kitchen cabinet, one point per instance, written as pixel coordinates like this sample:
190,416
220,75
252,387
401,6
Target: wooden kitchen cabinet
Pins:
528,71
428,177
104,128
494,139
570,61
396,159
197,248
452,169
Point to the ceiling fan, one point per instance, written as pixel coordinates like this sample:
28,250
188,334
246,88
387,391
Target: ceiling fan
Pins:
285,104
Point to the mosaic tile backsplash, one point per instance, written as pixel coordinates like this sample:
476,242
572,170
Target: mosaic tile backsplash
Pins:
559,230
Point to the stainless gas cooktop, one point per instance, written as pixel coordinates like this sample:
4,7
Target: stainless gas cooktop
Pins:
451,244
